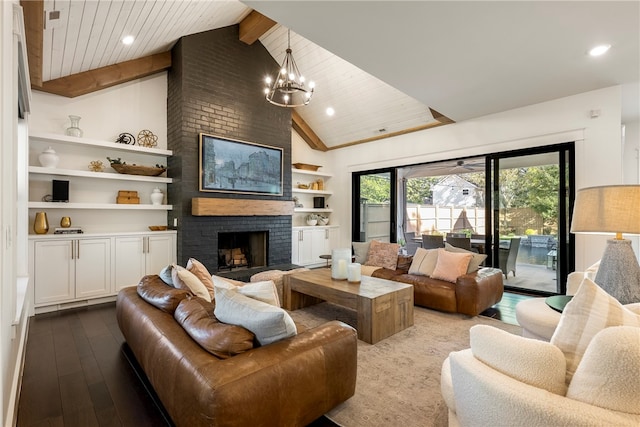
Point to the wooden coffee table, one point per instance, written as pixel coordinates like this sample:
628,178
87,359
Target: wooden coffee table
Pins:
384,307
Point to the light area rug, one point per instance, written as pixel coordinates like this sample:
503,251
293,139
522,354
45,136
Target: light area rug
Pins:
398,381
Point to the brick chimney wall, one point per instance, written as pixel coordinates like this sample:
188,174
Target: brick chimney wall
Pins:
215,87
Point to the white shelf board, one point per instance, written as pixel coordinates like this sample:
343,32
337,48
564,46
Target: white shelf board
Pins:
314,173
65,139
97,175
300,190
312,210
114,206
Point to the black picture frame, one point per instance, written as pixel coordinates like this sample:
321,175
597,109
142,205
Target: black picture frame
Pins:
233,166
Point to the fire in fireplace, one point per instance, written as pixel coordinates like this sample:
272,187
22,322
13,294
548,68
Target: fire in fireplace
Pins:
242,250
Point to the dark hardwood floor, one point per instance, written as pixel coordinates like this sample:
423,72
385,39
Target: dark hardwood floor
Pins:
505,310
77,373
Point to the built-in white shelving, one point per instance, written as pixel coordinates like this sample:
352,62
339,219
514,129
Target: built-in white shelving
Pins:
97,175
312,210
65,139
115,206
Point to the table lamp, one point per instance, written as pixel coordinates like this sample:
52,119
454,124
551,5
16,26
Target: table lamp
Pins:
612,209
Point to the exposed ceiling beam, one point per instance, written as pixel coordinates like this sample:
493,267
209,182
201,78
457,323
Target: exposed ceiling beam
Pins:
253,26
441,120
34,26
306,133
111,75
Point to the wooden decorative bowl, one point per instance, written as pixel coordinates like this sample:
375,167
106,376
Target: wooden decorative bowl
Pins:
305,166
157,227
137,170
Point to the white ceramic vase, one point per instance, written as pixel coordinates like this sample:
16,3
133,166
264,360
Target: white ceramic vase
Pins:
157,196
48,158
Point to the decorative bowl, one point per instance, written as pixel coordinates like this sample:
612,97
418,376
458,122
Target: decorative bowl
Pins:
312,221
137,170
306,166
157,227
323,221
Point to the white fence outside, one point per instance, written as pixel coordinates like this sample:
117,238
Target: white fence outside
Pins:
427,218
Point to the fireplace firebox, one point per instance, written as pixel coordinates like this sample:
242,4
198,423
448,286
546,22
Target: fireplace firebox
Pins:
241,250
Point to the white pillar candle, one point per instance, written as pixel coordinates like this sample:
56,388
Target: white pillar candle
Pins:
342,268
354,273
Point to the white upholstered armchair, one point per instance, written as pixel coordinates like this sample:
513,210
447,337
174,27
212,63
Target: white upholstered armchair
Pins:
588,375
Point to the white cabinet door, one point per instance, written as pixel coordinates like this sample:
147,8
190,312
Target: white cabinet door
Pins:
320,246
54,271
295,246
305,250
93,267
130,261
334,238
160,252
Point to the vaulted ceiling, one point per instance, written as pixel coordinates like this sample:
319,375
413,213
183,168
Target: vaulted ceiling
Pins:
385,67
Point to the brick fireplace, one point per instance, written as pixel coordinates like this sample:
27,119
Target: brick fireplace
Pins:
215,87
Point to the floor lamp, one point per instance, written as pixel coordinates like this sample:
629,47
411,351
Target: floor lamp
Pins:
612,209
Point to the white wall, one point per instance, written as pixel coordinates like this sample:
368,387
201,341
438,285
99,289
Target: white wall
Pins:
129,107
598,149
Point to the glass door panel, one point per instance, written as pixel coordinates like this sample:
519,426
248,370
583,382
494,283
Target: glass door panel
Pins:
374,213
531,244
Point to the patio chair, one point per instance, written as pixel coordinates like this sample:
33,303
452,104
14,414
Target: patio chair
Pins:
459,242
507,257
411,245
431,241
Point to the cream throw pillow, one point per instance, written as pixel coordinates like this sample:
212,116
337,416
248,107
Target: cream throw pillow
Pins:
609,374
424,262
268,323
184,279
451,265
476,258
590,311
534,362
262,291
201,272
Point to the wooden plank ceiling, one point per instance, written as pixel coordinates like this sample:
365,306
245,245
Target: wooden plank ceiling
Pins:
74,48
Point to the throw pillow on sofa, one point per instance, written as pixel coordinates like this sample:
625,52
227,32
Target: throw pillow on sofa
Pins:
383,254
590,311
262,291
184,279
201,272
267,322
160,295
360,251
196,317
476,258
424,262
165,275
450,265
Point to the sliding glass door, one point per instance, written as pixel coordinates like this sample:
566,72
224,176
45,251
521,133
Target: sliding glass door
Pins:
374,207
531,193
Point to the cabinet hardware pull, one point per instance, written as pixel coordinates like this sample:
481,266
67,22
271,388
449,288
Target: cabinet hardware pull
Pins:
78,243
73,256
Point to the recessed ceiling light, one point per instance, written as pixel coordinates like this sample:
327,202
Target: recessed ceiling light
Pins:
599,50
128,40
330,111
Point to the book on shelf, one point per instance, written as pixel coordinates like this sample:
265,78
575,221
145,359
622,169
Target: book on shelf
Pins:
67,230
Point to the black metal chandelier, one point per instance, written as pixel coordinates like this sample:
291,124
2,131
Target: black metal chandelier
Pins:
287,88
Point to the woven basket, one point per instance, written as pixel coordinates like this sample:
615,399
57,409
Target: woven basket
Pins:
306,166
137,170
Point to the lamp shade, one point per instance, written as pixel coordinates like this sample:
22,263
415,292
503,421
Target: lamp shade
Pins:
607,209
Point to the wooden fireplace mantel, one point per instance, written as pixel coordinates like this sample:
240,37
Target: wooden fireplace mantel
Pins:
210,206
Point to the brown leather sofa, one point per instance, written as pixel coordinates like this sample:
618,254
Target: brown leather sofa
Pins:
287,383
471,294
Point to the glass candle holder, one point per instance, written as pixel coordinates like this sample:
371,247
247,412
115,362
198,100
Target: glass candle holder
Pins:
340,259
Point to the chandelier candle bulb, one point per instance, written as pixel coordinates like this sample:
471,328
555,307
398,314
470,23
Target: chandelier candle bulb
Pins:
354,272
